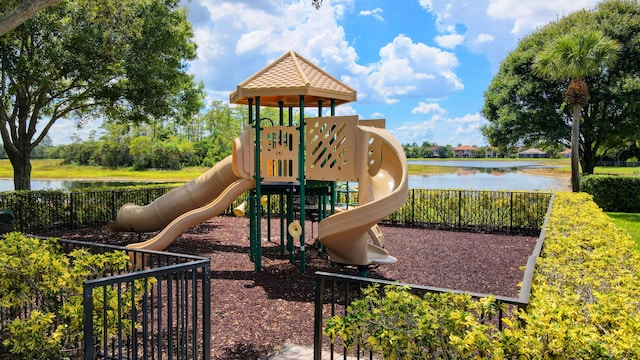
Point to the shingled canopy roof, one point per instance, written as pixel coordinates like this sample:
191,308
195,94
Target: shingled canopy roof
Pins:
286,79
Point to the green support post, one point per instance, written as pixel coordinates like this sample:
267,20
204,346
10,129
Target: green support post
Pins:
268,216
282,227
252,228
290,245
301,179
258,207
290,217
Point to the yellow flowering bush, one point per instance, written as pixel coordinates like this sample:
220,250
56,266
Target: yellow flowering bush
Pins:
586,292
35,275
585,303
400,325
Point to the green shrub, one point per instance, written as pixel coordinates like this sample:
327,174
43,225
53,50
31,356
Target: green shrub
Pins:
613,193
400,325
586,287
37,277
584,303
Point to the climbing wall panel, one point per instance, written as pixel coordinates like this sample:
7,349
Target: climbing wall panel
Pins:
279,161
330,148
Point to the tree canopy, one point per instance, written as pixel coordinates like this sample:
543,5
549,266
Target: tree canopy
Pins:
523,107
120,60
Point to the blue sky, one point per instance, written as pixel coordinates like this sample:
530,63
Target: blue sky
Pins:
421,64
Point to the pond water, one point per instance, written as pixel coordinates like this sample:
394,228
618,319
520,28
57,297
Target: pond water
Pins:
487,175
479,164
69,185
471,175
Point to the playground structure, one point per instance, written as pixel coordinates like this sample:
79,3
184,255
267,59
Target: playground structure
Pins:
294,160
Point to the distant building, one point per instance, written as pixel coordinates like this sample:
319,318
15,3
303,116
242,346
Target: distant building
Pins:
465,151
566,153
435,151
532,153
491,152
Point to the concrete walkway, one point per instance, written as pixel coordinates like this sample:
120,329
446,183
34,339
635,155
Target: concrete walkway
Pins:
291,352
295,352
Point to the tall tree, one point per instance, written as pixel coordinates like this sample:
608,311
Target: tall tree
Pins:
577,56
121,60
523,107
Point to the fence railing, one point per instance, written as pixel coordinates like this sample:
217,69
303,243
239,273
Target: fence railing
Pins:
334,292
497,212
162,311
42,212
468,210
618,163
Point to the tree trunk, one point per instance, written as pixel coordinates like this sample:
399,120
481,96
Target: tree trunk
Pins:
21,163
22,176
588,160
21,12
575,148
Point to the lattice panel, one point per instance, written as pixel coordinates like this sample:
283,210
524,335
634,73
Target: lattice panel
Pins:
279,145
331,143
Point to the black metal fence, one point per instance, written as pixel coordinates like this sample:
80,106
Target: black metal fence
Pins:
618,163
42,212
162,310
334,292
478,211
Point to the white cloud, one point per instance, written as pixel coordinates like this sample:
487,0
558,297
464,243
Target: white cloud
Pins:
414,132
443,130
469,118
426,4
449,41
528,15
345,110
375,13
483,38
426,108
468,129
63,131
497,25
413,69
237,38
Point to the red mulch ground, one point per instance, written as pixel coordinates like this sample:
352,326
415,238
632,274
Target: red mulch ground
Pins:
254,314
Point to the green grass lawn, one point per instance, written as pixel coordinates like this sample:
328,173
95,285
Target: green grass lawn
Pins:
614,170
629,222
53,169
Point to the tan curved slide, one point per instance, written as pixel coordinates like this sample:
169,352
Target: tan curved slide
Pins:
196,216
382,189
194,194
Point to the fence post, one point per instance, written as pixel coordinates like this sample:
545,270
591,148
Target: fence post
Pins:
87,303
511,214
206,312
459,209
413,207
317,322
113,204
72,212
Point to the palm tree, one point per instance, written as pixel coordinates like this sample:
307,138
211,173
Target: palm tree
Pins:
576,56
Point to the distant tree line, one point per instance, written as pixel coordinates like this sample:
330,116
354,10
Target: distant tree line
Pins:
628,151
207,140
172,144
427,150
